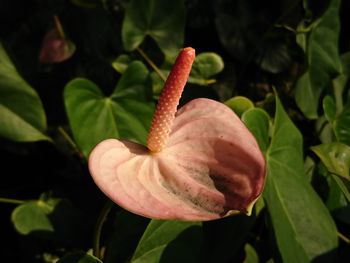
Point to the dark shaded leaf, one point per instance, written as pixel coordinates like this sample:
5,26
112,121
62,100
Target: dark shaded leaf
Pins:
323,59
162,20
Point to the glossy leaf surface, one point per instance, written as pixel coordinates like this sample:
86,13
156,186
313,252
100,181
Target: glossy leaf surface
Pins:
288,195
126,113
169,241
22,114
162,20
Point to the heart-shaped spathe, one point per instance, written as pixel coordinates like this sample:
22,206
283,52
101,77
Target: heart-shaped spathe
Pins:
200,163
210,167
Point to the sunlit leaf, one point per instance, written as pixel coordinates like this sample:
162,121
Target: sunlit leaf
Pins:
288,196
169,241
323,61
162,20
22,114
126,113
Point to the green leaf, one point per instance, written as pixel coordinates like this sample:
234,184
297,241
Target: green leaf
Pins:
329,108
206,65
127,231
121,63
162,20
51,218
341,125
297,214
169,241
336,200
239,104
250,254
335,156
125,114
258,122
344,185
22,114
323,61
340,81
79,257
34,216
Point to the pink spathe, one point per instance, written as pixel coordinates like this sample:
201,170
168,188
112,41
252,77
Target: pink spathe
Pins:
209,166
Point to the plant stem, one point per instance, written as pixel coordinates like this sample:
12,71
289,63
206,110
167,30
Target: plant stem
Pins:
344,238
59,27
69,140
11,201
98,228
151,63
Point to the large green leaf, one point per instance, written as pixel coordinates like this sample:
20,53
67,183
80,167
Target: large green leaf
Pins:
162,20
323,61
22,114
169,241
302,224
125,114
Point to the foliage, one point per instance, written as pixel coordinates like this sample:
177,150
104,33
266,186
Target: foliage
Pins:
282,66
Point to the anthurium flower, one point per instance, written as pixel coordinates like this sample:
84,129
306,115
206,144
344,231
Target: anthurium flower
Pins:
200,163
56,47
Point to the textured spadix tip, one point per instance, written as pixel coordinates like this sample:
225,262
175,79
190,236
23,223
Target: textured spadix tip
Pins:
169,100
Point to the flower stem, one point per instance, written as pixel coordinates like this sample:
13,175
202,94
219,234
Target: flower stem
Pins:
96,248
11,201
344,238
169,100
151,63
59,27
69,140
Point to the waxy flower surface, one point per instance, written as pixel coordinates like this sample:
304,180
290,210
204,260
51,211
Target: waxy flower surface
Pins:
200,163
